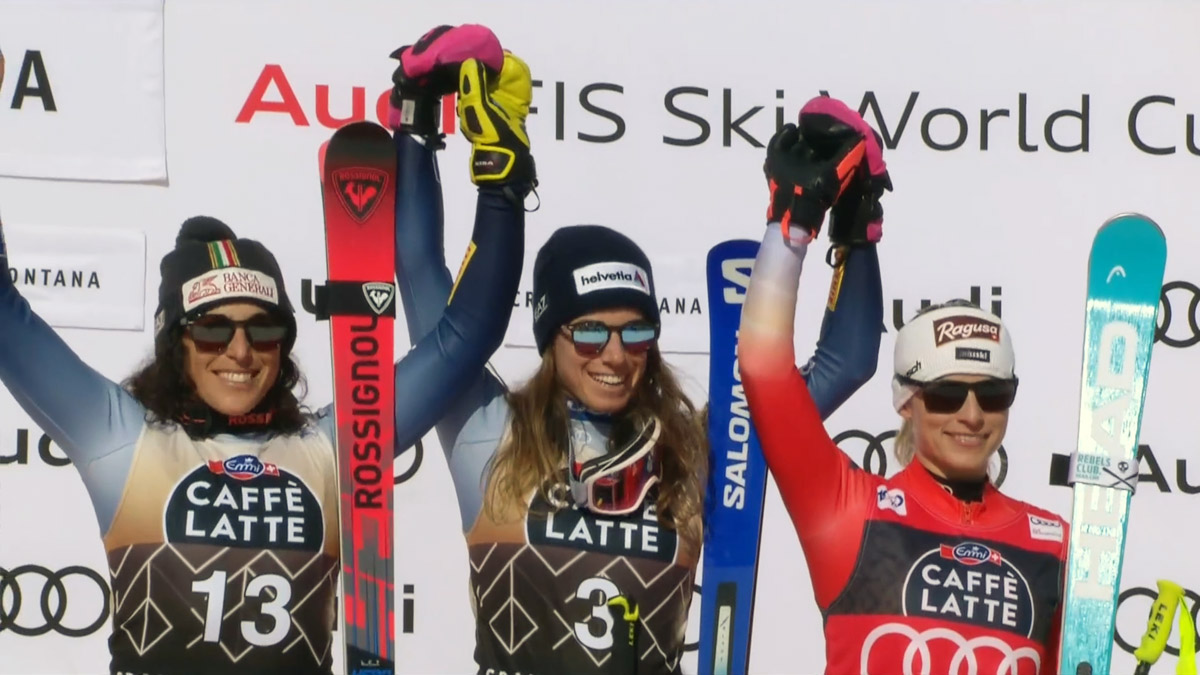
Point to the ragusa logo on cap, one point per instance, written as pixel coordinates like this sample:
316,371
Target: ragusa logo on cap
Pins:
964,328
608,275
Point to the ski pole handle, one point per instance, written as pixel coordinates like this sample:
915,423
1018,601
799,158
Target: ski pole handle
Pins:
1158,626
626,610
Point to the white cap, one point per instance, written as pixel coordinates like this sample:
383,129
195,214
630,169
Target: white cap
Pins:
957,338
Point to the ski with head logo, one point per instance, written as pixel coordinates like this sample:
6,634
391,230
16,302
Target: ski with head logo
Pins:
1125,274
358,175
737,475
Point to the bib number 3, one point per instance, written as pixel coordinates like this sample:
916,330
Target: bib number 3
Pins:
597,590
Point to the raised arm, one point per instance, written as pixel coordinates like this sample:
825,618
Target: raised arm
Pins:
848,345
809,469
819,164
92,419
464,399
424,281
449,359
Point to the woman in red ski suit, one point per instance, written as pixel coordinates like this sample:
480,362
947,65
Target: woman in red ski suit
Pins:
932,571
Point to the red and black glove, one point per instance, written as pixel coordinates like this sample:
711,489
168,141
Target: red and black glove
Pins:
831,156
856,217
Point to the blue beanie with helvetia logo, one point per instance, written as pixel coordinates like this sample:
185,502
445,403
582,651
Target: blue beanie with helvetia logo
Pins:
586,268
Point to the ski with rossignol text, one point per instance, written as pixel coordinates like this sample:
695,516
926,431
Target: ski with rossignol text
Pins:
1125,275
737,478
358,177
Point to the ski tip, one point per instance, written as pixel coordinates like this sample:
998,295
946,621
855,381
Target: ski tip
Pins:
1132,218
364,129
733,248
321,151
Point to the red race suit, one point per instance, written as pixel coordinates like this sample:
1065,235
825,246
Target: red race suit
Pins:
910,580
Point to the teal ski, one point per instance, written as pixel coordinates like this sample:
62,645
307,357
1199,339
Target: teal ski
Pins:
1125,275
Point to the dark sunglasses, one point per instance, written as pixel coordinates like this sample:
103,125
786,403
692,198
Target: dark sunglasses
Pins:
947,396
591,337
214,332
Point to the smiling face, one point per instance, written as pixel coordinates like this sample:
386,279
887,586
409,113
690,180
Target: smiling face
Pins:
233,380
604,383
956,445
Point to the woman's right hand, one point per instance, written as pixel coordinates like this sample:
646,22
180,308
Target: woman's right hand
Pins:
833,153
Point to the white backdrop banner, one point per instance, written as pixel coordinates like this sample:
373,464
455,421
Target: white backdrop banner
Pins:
1013,129
81,90
80,277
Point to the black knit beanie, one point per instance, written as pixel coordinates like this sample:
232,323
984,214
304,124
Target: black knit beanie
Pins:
210,266
585,268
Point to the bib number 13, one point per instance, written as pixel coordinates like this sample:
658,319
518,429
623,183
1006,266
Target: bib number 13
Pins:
278,591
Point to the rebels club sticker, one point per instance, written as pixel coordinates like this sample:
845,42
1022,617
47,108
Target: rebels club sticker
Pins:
972,583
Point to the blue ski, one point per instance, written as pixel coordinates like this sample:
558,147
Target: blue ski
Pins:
737,478
1125,275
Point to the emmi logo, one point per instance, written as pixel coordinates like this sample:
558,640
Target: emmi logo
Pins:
32,81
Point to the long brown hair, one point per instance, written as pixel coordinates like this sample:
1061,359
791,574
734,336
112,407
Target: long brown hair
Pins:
165,390
532,454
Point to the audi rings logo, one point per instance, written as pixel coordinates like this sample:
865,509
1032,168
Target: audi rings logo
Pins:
922,644
1185,290
33,600
875,453
1133,606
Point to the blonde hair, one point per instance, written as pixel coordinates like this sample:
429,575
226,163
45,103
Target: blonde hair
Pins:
904,446
531,456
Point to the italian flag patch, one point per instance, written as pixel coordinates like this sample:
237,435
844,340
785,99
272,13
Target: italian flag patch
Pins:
222,254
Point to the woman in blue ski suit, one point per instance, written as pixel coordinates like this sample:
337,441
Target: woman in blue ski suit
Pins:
581,492
215,492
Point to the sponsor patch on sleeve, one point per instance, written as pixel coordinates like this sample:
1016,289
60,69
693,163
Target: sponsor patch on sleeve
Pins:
892,500
1045,529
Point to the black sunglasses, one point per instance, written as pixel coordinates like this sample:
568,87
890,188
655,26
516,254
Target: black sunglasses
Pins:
214,332
947,396
591,337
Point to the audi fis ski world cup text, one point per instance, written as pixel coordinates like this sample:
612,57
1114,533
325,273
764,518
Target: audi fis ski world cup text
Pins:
696,115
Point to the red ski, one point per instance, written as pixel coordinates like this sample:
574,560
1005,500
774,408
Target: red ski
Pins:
358,176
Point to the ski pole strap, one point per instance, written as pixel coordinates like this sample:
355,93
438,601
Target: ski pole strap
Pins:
1158,626
1186,665
354,298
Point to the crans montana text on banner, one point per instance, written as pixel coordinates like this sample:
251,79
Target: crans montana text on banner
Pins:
80,277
